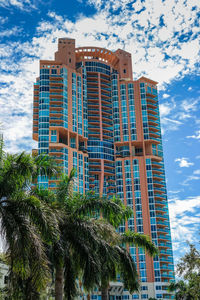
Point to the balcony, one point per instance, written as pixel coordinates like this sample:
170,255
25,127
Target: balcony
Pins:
56,119
94,170
105,100
152,105
163,223
154,128
157,164
159,183
158,176
162,217
94,163
105,83
92,86
152,116
110,165
163,230
56,100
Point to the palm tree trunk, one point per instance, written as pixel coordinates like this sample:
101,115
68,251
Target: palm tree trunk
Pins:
59,283
104,293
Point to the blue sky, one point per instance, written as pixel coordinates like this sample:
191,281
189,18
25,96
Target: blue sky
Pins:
163,38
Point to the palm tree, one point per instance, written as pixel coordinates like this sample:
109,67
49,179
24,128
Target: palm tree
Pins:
181,290
117,261
24,220
82,236
122,263
92,242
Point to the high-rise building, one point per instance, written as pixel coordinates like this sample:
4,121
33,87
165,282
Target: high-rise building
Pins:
90,114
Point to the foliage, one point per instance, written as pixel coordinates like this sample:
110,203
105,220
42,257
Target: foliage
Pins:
82,235
121,263
25,222
44,231
92,240
189,269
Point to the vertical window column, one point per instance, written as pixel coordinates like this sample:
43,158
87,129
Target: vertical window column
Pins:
129,194
74,103
75,165
65,152
137,194
152,216
80,172
85,110
142,265
80,108
124,112
144,111
132,112
119,179
43,139
115,101
64,74
86,169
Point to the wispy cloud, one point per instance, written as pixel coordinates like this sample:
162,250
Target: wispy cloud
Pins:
165,96
155,32
174,114
25,5
194,176
195,136
184,217
197,172
3,20
8,32
183,162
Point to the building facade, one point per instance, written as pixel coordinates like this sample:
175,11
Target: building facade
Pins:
90,114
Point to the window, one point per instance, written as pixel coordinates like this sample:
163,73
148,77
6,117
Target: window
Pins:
73,142
53,136
124,71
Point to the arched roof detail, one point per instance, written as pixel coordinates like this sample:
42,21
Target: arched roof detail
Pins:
102,54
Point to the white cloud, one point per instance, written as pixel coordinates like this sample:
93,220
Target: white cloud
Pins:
195,136
165,109
174,192
190,88
190,105
3,20
20,4
165,95
8,32
183,162
156,50
190,178
197,172
184,217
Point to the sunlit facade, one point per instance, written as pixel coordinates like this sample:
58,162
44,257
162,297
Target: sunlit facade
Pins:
90,114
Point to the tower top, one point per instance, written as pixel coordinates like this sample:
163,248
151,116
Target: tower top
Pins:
69,55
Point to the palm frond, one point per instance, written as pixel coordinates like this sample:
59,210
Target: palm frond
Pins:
113,210
70,276
65,187
44,165
127,270
140,240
